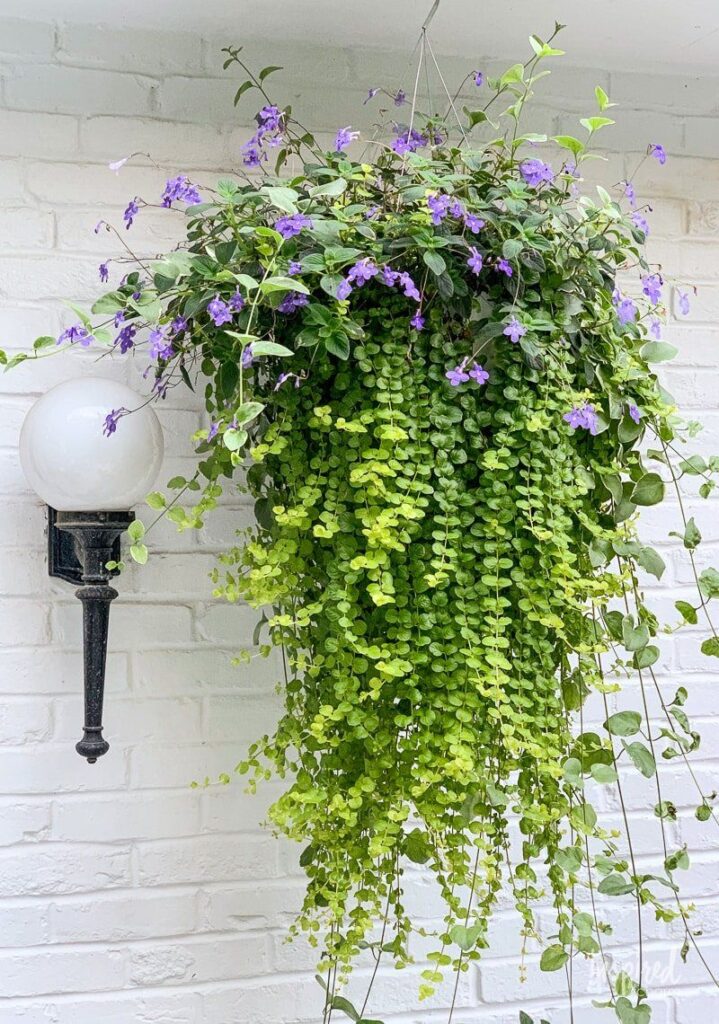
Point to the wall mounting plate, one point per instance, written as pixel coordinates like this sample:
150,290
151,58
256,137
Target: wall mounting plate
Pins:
62,560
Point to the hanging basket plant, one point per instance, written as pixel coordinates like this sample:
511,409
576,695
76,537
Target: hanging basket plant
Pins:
422,366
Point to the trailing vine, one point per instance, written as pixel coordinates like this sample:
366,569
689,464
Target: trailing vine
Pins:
421,366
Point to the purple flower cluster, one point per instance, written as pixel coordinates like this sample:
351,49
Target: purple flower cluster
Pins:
131,211
270,129
417,321
292,224
652,287
111,420
583,416
634,412
126,338
625,307
514,330
441,206
400,98
658,152
629,192
460,374
160,346
344,137
104,273
219,310
505,266
474,262
640,222
180,189
408,140
292,302
294,268
76,334
535,172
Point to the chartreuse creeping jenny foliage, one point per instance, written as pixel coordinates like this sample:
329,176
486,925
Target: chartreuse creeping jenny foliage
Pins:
450,415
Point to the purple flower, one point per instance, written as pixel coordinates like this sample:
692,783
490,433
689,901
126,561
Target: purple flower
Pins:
634,411
478,77
400,98
247,358
417,321
284,377
160,347
475,261
514,330
656,328
625,307
119,318
213,431
629,192
473,223
583,416
458,374
294,268
658,152
99,224
371,212
126,338
362,271
409,287
292,302
535,172
344,290
389,276
439,207
237,302
131,211
76,334
270,118
252,155
640,222
219,311
652,287
104,273
478,374
408,141
505,266
344,137
370,96
178,325
111,420
292,224
180,189
683,303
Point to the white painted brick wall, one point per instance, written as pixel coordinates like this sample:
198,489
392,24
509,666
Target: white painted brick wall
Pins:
126,896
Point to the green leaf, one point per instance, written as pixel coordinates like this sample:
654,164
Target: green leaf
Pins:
709,583
332,188
652,562
270,348
624,723
572,771
109,303
338,344
466,938
615,885
602,98
242,90
434,261
603,773
247,412
136,530
703,812
283,284
155,500
269,70
234,439
658,351
475,117
282,197
575,146
417,847
553,958
634,638
642,757
593,124
692,536
139,553
649,490
711,647
511,248
340,1003
647,656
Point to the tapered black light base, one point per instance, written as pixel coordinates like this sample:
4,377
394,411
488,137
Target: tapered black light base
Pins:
95,538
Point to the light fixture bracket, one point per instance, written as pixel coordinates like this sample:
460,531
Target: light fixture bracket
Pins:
62,560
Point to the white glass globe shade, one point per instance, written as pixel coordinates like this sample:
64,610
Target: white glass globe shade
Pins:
73,465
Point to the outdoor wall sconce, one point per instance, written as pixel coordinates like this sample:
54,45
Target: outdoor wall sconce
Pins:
90,482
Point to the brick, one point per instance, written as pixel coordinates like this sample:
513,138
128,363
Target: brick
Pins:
122,817
160,1007
58,970
23,622
27,40
58,768
23,822
124,916
24,228
22,669
244,906
24,721
12,189
147,52
130,624
177,145
223,858
212,958
34,134
130,722
54,869
66,90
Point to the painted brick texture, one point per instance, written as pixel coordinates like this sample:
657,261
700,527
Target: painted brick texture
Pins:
126,896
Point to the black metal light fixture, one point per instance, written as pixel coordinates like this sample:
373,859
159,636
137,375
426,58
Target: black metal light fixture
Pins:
90,477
